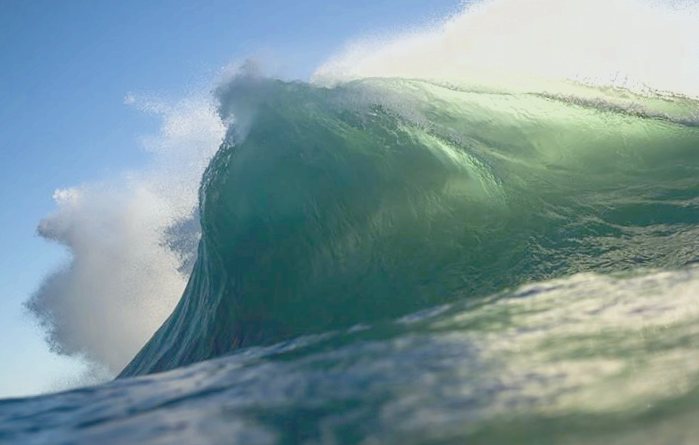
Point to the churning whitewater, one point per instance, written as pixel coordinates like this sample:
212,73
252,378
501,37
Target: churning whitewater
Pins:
411,250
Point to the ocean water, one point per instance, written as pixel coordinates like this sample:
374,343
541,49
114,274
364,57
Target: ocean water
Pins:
409,261
589,359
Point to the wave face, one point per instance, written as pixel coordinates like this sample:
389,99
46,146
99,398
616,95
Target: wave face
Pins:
332,208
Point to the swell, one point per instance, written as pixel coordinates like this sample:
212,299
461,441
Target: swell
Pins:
328,208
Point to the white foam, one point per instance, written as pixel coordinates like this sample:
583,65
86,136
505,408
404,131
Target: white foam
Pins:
628,43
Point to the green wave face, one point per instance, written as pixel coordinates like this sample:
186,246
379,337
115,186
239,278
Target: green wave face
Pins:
329,208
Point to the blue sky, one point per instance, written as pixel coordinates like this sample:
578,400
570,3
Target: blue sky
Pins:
65,68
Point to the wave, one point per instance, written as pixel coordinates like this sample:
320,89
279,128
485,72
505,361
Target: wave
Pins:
636,61
380,197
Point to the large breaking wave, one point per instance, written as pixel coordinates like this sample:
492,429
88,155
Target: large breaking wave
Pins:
502,46
380,197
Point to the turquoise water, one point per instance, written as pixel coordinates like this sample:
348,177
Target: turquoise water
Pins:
358,204
400,261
